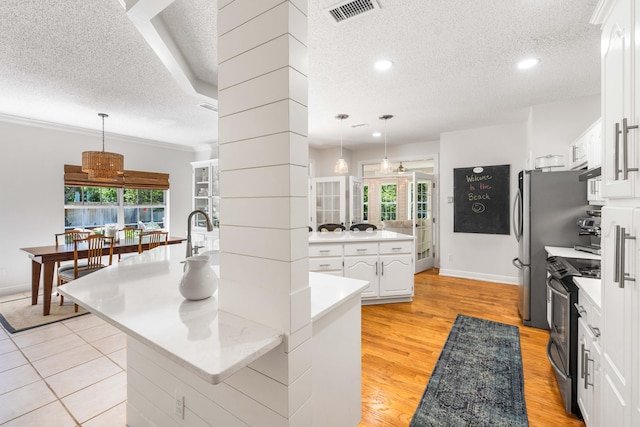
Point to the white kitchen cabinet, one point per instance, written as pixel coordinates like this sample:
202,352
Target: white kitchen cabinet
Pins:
578,151
205,194
326,259
383,258
594,145
620,151
620,333
594,191
389,271
589,361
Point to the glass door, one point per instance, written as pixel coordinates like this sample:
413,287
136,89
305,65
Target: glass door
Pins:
422,198
329,195
356,192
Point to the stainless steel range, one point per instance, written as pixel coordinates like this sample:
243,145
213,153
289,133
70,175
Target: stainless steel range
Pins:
562,316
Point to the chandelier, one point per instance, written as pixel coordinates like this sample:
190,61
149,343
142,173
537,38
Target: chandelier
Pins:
102,165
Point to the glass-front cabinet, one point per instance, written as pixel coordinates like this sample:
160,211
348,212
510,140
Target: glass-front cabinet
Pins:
206,193
336,200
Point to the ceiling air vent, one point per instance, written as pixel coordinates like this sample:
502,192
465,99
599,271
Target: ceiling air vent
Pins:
351,9
209,106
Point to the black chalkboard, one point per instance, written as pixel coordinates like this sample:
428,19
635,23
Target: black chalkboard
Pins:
481,200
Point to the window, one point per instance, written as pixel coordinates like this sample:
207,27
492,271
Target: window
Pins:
92,207
365,204
128,200
388,202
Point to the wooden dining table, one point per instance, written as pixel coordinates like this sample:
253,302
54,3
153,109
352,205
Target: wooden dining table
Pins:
46,257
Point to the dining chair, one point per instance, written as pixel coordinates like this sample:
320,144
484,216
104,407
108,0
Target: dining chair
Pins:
95,245
331,227
363,227
66,238
129,235
154,238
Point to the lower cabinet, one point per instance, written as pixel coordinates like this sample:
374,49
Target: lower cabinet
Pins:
387,266
589,371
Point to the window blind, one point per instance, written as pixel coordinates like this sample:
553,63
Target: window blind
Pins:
73,176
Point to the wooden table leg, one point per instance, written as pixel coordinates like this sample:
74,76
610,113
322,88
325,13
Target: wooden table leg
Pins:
48,287
35,281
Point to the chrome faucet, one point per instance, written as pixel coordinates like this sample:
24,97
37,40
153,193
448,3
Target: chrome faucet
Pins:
209,228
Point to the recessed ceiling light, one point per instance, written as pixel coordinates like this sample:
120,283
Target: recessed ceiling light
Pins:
376,134
528,63
383,65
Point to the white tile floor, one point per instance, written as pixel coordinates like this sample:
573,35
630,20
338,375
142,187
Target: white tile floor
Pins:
70,373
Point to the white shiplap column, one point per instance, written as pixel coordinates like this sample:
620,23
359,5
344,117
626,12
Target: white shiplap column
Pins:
263,154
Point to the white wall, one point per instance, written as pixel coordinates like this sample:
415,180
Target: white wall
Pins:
555,126
478,256
32,189
324,160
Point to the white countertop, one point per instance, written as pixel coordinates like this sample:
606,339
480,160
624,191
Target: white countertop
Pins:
357,236
569,253
592,287
140,296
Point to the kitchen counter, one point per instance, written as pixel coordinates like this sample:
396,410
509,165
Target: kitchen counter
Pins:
140,297
357,236
569,253
592,287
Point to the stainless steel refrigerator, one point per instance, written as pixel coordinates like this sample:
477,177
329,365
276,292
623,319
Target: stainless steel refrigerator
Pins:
545,213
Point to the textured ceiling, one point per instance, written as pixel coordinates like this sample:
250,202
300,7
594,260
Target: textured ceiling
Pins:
64,61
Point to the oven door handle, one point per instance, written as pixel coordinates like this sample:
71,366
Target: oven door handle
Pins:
557,288
553,363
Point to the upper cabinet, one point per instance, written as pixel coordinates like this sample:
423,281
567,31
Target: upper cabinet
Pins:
585,151
619,118
206,193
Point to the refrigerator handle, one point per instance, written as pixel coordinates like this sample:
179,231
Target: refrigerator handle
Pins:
516,262
517,216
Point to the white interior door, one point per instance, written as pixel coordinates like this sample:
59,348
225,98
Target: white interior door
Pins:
422,197
357,200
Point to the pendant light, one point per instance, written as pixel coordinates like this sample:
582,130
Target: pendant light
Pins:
102,165
341,166
385,167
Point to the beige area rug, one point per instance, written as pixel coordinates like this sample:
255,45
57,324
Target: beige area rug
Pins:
19,315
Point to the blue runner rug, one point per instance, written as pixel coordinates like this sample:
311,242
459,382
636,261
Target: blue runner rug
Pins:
477,380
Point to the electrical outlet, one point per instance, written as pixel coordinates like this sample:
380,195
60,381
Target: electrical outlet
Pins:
179,404
450,257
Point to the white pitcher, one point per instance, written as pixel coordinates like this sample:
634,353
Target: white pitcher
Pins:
199,281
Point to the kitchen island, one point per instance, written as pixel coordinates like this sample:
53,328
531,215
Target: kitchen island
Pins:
383,258
190,364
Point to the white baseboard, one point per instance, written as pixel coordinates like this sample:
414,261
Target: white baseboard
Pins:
16,289
509,280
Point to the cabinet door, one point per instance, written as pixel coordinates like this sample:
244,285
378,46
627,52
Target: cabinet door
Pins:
619,303
585,372
364,268
396,275
329,195
617,101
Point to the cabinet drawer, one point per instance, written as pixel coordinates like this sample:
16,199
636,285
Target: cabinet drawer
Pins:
325,264
365,248
325,250
589,313
396,247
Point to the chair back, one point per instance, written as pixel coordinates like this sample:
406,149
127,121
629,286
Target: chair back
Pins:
129,233
67,237
154,238
331,227
363,227
95,244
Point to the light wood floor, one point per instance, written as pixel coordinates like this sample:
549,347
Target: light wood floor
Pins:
401,343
